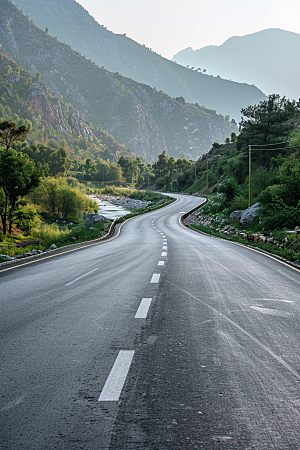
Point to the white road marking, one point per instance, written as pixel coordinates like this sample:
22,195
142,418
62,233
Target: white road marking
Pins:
82,276
114,384
163,254
161,263
165,247
143,308
164,236
155,278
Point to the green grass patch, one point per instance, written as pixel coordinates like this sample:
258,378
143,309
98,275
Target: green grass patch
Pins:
49,232
79,234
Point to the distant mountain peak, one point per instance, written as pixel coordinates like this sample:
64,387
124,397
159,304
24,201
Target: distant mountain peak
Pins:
251,59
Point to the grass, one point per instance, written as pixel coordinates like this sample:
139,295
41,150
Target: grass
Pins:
10,249
79,234
49,232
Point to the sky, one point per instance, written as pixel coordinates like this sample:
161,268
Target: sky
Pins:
168,26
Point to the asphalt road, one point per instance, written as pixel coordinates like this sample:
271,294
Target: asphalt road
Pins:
214,363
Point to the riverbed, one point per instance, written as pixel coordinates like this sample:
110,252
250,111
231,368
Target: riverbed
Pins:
110,211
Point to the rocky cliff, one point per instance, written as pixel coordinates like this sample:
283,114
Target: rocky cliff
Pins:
145,120
22,95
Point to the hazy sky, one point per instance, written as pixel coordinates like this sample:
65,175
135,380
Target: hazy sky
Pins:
168,26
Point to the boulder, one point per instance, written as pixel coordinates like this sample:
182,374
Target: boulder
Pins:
236,215
92,218
249,213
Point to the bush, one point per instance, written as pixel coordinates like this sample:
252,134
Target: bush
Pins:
26,218
47,232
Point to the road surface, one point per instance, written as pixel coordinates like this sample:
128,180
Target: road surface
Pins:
159,339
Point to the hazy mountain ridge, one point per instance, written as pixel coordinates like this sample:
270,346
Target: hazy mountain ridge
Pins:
138,116
72,24
268,59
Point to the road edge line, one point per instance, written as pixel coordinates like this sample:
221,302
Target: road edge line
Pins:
254,249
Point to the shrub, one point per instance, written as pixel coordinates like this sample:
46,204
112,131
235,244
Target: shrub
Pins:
47,232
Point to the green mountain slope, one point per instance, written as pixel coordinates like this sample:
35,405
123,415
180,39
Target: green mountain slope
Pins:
51,121
141,118
71,23
269,59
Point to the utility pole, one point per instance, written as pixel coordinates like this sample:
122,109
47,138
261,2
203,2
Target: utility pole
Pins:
206,177
249,176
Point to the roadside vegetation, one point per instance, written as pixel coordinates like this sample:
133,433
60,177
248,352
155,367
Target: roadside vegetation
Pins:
272,128
41,211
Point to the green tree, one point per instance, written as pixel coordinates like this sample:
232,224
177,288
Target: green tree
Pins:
233,137
229,189
162,163
10,134
26,218
18,176
266,123
129,167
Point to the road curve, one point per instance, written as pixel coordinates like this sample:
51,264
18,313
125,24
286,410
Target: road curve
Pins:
160,339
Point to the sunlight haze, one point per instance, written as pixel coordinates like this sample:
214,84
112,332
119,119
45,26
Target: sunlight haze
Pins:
170,26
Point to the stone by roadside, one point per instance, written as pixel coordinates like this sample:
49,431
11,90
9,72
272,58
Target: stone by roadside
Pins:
216,224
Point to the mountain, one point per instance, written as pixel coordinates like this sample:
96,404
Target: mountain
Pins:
71,23
24,99
138,116
269,59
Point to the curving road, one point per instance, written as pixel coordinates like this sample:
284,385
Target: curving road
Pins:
159,339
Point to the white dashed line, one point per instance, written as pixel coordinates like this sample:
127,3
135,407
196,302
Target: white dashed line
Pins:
82,276
165,247
161,263
114,384
143,308
155,278
163,254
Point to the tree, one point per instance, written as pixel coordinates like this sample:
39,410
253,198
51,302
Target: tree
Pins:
162,163
266,123
229,189
47,194
233,137
18,176
180,100
129,167
9,133
38,76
